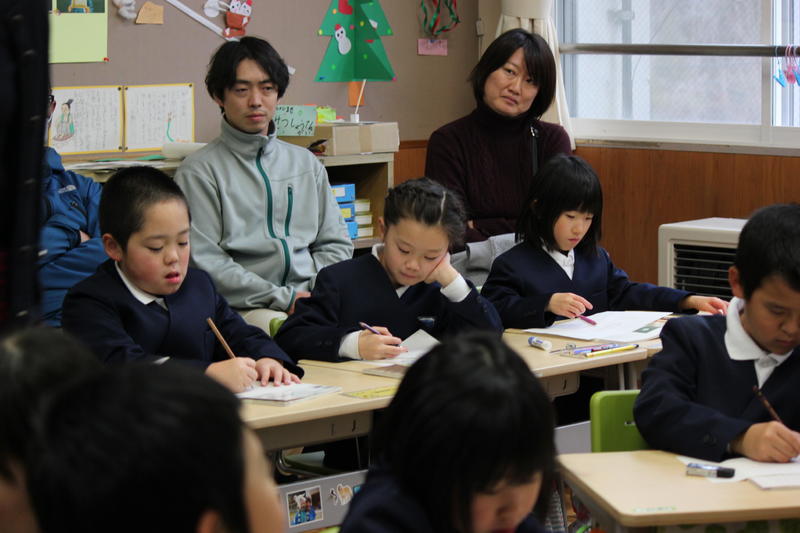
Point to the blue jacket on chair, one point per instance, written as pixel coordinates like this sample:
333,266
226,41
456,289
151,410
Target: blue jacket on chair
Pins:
70,205
103,313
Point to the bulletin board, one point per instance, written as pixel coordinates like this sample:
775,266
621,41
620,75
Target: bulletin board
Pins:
429,91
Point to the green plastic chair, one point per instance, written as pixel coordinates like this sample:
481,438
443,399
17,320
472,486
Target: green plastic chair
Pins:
275,324
613,427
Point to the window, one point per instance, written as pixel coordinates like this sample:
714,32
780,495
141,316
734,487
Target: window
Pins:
691,98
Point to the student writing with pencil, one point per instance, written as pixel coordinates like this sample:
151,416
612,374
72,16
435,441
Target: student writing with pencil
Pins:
729,385
405,284
559,270
146,304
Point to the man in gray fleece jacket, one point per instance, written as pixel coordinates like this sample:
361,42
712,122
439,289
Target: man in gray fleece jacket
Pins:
264,218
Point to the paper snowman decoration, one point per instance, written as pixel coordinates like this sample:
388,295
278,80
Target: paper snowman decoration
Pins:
341,38
237,17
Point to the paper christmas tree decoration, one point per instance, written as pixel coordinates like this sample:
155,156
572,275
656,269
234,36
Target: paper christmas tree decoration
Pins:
355,51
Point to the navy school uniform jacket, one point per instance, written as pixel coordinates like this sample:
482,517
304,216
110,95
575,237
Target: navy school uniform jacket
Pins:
523,279
360,290
103,313
382,506
695,399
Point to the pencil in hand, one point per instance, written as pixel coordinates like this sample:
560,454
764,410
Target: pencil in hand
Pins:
767,405
220,338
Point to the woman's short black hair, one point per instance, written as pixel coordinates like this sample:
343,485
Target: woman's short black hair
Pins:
564,183
428,202
769,245
34,362
128,194
139,448
222,68
539,61
470,414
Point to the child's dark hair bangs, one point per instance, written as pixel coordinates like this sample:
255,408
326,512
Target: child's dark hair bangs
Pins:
769,245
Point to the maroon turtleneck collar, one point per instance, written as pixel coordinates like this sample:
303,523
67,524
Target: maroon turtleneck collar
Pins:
498,124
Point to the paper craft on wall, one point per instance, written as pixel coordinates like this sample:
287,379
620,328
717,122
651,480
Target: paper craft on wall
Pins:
158,114
78,31
237,17
87,120
355,51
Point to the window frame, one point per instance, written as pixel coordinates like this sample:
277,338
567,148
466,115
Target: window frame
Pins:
733,137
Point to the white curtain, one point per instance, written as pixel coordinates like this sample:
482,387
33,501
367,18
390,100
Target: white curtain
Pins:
537,16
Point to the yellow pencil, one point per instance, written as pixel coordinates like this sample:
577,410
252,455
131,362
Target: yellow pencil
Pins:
613,350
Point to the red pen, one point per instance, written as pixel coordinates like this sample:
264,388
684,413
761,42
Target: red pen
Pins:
587,320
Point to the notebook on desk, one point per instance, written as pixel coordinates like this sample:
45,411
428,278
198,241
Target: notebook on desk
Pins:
287,394
418,344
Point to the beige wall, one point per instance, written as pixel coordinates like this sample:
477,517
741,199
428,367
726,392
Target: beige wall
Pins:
429,91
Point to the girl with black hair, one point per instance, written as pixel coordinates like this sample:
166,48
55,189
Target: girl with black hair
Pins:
467,445
405,284
559,270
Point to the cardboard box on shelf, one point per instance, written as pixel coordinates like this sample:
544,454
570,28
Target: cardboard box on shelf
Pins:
379,136
340,139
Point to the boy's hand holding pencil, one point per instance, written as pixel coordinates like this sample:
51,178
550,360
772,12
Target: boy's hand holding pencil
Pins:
768,441
239,373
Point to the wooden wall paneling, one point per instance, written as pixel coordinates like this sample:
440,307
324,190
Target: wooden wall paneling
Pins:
644,188
409,161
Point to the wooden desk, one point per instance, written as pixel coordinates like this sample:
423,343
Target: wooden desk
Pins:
324,419
558,374
647,488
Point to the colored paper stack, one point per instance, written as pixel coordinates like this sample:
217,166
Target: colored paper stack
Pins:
345,194
363,217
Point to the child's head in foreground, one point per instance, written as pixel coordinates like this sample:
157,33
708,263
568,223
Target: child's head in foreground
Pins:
766,274
150,448
472,416
564,209
145,222
421,221
34,363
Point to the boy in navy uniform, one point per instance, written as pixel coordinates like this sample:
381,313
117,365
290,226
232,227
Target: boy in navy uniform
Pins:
146,304
698,395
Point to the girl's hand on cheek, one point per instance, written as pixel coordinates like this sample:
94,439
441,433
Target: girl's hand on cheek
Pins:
444,272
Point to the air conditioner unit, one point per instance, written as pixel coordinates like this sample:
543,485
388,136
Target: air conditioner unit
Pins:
695,255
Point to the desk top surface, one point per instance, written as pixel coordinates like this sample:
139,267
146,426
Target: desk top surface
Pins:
651,488
543,364
259,415
546,364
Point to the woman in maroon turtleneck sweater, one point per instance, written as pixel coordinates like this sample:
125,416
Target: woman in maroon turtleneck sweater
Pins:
486,156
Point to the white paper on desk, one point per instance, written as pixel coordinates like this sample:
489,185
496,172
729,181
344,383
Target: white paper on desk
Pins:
746,468
615,326
418,343
779,481
287,393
